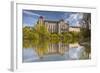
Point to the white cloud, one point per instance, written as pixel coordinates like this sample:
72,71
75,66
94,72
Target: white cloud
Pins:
27,25
31,13
74,18
77,23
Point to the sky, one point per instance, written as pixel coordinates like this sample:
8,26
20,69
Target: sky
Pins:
30,17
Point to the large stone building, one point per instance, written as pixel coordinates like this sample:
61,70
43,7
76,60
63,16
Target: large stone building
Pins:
54,26
57,26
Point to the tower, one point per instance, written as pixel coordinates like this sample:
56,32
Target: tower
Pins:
41,20
61,22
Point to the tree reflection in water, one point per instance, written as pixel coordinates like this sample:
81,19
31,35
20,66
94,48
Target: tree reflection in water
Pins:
45,50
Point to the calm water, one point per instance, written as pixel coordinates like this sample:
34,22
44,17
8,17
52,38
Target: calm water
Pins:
54,52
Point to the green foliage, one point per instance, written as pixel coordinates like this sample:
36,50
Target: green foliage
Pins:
27,33
85,35
40,32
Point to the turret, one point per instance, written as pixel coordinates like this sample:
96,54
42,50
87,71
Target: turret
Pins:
60,25
41,20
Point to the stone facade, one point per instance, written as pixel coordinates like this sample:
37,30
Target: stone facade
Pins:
57,26
54,26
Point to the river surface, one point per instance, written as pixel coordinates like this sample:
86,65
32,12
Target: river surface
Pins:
55,52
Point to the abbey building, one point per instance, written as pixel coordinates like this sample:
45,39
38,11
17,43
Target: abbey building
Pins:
57,26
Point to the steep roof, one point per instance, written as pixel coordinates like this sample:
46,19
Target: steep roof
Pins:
52,21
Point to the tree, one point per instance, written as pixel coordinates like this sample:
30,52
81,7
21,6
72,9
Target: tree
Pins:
85,33
26,32
86,21
42,31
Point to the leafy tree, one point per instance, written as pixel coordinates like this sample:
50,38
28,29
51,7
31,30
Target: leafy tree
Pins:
85,34
26,32
42,31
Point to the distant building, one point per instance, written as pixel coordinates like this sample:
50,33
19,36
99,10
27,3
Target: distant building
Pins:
74,29
57,26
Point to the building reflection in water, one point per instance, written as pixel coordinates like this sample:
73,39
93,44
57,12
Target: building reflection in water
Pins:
55,52
58,48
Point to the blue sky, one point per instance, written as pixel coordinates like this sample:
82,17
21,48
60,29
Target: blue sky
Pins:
30,17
